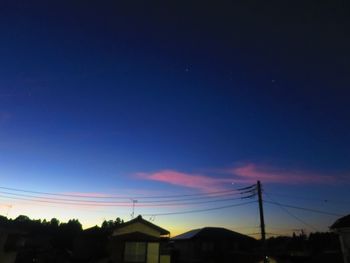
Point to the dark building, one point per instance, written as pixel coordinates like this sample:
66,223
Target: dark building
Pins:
11,241
213,244
91,245
139,241
342,227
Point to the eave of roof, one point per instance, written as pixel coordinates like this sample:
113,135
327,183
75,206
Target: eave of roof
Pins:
187,235
212,233
343,222
145,222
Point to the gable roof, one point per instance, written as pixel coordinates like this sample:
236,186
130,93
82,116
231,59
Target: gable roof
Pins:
139,219
187,235
342,222
212,233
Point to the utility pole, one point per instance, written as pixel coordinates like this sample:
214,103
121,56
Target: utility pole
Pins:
262,222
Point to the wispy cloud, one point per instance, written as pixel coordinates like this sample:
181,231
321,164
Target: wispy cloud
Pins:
248,173
268,174
196,181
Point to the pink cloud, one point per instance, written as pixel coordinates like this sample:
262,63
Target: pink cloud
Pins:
251,173
196,181
245,174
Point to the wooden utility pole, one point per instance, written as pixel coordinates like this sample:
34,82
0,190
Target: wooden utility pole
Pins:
262,222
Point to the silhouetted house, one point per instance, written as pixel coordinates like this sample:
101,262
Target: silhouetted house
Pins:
342,227
139,241
213,244
41,248
91,245
11,241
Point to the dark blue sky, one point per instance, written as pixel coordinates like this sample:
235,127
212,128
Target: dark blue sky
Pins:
98,92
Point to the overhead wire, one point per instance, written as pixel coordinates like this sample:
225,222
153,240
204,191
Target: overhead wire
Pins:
114,204
310,198
291,214
198,210
212,196
118,202
305,209
169,200
119,197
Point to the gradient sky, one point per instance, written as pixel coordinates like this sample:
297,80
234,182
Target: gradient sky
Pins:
142,98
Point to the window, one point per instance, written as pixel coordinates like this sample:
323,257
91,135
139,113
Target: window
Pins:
135,252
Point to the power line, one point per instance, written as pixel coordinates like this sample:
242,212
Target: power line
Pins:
310,198
191,199
118,197
199,210
58,199
292,215
125,202
112,204
82,203
305,209
200,202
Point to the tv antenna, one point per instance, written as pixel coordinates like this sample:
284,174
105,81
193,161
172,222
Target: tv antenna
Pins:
134,201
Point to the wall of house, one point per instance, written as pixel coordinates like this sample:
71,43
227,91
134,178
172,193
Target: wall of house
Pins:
153,252
165,259
117,251
3,238
8,257
185,251
136,227
344,236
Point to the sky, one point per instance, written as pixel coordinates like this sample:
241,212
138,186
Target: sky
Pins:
140,99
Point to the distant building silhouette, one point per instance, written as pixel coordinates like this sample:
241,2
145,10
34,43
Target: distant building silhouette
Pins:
342,227
11,240
213,244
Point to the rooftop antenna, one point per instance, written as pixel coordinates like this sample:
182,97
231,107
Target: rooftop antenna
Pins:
134,201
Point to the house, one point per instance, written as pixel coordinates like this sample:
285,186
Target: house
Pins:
90,245
139,241
213,244
11,240
342,227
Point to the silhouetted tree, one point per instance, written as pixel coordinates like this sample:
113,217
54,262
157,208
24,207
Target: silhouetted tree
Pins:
110,224
107,224
54,222
67,232
22,218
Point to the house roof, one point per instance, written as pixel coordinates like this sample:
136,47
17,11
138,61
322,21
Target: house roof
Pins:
213,233
341,222
93,229
139,219
187,235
